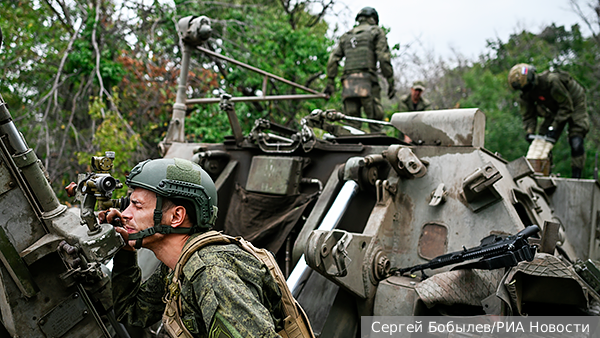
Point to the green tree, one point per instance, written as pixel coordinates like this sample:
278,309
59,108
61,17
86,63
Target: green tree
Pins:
483,84
284,39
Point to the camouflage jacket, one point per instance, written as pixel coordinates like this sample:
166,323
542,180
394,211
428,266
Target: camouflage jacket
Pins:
362,47
556,96
221,279
405,104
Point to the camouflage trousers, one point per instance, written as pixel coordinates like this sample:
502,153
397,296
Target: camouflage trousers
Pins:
579,122
371,106
579,125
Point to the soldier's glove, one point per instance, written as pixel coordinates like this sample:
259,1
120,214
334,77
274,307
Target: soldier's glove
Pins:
391,88
329,89
551,135
529,137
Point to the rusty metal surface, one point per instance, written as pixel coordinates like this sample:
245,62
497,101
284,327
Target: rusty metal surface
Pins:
452,127
468,287
433,241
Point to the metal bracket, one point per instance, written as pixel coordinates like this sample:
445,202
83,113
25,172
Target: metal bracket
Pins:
334,250
478,187
438,195
405,162
382,191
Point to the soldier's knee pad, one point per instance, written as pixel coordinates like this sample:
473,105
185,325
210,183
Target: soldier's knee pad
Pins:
576,143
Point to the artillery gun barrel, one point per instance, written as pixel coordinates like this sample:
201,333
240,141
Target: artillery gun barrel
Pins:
26,160
7,127
360,119
330,221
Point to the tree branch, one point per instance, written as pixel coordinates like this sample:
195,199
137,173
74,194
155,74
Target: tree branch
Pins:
62,21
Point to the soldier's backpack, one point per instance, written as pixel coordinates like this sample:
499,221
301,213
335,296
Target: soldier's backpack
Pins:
296,324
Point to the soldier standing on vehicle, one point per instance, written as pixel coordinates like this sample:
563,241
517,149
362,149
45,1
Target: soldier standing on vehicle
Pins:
415,100
210,290
362,46
558,98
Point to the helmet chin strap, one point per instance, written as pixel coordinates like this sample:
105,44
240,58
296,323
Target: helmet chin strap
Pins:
157,228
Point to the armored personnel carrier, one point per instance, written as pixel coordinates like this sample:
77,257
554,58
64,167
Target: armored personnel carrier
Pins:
361,224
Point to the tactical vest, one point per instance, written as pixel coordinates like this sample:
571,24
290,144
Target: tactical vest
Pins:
296,324
359,48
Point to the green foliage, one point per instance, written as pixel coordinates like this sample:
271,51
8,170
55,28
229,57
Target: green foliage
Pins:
58,101
207,124
111,135
265,36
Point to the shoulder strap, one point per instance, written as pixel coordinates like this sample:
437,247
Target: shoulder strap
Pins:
196,243
296,324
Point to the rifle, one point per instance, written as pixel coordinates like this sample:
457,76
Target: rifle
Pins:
495,251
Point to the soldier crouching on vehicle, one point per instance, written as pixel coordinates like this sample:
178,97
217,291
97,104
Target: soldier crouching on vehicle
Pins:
211,285
558,98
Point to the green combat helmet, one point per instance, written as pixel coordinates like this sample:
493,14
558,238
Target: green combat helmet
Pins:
521,76
368,12
176,179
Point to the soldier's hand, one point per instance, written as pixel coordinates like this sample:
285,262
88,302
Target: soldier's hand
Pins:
551,135
391,92
391,88
112,216
129,245
529,137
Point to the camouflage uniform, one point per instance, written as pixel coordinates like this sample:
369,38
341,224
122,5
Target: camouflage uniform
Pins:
222,286
406,104
362,47
558,98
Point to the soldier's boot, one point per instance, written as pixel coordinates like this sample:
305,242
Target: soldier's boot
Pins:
576,172
577,156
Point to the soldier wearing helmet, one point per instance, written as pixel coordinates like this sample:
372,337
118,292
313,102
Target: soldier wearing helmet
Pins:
223,289
560,100
362,47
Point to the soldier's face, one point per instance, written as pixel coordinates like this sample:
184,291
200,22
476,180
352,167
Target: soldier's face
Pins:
415,94
139,215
